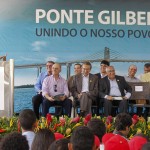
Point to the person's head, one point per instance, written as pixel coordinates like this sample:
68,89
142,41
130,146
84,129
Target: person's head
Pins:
97,127
56,69
27,119
43,139
106,137
86,68
110,70
132,71
14,141
137,142
117,142
49,65
142,135
77,69
61,144
82,139
103,65
147,68
146,146
123,122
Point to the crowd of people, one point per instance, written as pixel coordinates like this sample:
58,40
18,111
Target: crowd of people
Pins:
85,89
92,136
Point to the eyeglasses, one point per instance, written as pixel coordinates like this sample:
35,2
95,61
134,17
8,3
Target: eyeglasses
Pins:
55,88
111,71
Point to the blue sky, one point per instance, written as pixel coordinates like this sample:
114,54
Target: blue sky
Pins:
19,41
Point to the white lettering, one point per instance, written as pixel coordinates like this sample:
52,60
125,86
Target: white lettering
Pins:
38,16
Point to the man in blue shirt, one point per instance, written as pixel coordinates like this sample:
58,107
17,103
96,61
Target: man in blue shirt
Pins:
37,99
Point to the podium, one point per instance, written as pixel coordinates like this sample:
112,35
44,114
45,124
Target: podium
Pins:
140,91
7,88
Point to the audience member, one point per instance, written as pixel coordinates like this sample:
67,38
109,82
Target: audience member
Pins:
27,121
113,87
106,137
37,99
61,144
77,70
142,135
137,142
14,141
97,127
53,86
103,65
116,142
146,146
96,142
43,139
82,139
85,89
123,122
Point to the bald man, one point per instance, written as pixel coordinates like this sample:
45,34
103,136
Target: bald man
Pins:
111,87
55,86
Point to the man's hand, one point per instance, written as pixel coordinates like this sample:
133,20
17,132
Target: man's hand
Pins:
125,98
110,98
50,99
62,98
79,95
40,92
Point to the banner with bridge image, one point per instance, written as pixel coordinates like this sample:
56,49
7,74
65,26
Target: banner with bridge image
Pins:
32,32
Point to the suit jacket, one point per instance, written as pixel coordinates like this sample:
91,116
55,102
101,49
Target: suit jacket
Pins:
98,75
70,83
93,86
104,86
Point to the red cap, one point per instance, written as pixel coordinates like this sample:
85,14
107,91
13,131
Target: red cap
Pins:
117,142
137,142
106,137
96,141
58,136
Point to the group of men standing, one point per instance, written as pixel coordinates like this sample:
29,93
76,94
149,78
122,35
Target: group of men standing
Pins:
105,87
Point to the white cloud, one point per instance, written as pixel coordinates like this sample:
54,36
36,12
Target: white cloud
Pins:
23,59
38,45
51,58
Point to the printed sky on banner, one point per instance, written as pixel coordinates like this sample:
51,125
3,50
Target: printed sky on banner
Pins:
99,24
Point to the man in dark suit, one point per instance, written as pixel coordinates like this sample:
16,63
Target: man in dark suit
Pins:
115,90
85,88
77,70
103,65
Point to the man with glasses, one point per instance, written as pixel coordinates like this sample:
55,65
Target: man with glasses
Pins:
112,89
37,99
85,89
55,92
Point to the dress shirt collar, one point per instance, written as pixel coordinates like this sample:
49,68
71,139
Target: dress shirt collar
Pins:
102,76
111,79
85,76
58,76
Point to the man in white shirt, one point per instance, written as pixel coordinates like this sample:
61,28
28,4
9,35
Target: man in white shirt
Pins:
85,88
27,119
113,87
